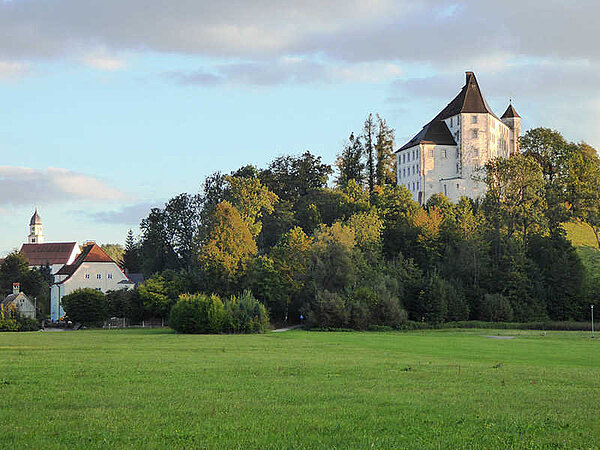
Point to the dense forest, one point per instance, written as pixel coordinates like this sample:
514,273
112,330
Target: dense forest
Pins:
346,247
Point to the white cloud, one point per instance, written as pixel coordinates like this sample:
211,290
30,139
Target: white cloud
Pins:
102,62
23,185
11,69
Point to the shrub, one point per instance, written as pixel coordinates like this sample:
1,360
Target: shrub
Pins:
86,306
328,311
198,313
27,324
495,308
245,314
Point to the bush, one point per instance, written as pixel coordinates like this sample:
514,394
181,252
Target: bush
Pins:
495,308
328,311
245,314
198,313
86,306
27,324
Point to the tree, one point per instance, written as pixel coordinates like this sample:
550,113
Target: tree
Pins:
515,196
86,306
369,130
384,150
12,270
251,199
115,251
350,162
160,292
198,313
131,254
583,186
292,177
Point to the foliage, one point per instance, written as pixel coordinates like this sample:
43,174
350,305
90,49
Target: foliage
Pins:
126,303
86,306
115,251
245,314
496,308
160,292
198,313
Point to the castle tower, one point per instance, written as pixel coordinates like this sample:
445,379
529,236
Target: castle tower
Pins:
513,121
36,230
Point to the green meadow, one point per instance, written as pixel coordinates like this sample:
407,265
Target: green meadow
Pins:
297,389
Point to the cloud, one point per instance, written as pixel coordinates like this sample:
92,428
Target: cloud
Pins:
102,62
436,31
127,215
286,70
11,69
20,185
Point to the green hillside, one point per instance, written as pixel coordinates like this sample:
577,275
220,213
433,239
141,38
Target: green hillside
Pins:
580,235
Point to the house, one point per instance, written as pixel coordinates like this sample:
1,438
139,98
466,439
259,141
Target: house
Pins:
19,302
92,268
53,254
447,155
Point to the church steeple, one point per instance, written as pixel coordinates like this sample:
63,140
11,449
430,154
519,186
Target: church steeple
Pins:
36,229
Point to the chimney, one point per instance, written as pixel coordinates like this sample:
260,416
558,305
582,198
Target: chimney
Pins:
16,288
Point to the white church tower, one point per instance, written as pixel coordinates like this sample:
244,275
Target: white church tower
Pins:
36,229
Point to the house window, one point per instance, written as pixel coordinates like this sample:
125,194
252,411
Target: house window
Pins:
457,169
445,190
99,276
474,134
413,154
404,172
431,153
476,152
413,188
418,185
457,186
451,124
109,276
404,158
87,276
473,119
444,153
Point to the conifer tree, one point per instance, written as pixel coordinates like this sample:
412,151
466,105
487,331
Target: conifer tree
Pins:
350,162
384,150
369,130
131,257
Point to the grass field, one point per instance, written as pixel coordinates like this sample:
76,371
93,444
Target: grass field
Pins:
580,235
440,389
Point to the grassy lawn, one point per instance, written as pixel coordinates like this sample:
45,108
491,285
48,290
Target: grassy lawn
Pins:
580,235
440,389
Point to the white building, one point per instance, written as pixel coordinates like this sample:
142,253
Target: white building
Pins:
19,302
92,269
447,154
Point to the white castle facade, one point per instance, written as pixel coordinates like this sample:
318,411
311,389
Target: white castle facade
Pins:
446,156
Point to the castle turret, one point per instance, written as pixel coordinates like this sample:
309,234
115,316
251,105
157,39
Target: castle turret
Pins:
513,121
36,229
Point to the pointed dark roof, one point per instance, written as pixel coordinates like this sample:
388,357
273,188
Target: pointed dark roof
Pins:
469,100
435,132
510,112
35,219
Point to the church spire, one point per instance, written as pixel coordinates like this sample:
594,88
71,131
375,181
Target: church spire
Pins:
36,234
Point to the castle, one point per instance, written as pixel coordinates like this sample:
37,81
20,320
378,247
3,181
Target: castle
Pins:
446,156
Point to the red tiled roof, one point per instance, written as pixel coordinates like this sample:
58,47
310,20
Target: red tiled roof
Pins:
48,253
90,253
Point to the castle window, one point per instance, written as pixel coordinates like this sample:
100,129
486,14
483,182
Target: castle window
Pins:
457,169
99,276
404,158
418,185
473,119
404,172
474,133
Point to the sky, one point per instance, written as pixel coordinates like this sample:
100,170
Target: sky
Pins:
110,108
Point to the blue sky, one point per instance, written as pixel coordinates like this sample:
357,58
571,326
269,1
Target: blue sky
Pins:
108,108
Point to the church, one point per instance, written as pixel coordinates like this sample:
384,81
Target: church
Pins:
447,155
72,266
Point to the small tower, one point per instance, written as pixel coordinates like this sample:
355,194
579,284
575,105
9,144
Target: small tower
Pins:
513,120
36,230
